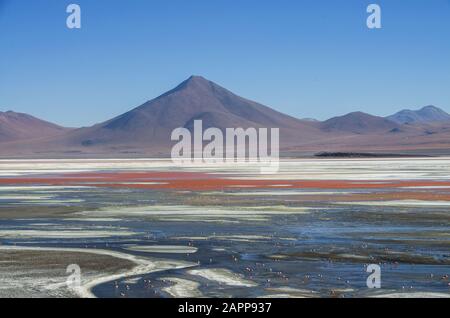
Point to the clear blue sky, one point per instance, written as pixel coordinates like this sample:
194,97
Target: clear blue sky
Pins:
307,58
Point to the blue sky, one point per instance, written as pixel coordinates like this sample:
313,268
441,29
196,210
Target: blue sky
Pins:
307,58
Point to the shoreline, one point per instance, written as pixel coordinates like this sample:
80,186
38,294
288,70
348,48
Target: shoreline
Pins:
143,266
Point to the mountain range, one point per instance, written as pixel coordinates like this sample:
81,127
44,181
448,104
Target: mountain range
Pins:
146,130
427,114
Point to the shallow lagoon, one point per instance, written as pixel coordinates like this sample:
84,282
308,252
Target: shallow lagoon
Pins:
241,241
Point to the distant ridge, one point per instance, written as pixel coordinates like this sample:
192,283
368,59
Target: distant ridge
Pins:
18,126
365,155
427,114
359,123
310,120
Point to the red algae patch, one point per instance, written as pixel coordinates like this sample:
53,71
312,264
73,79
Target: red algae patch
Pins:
200,181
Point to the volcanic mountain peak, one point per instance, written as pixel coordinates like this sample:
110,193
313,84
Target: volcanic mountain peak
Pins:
194,99
427,114
197,80
194,82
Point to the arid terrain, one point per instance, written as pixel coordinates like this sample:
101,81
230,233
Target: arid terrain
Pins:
145,131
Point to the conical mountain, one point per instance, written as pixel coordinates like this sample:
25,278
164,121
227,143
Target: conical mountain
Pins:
151,124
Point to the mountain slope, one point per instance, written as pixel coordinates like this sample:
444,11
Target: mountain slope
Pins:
146,130
426,115
359,123
151,124
17,126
